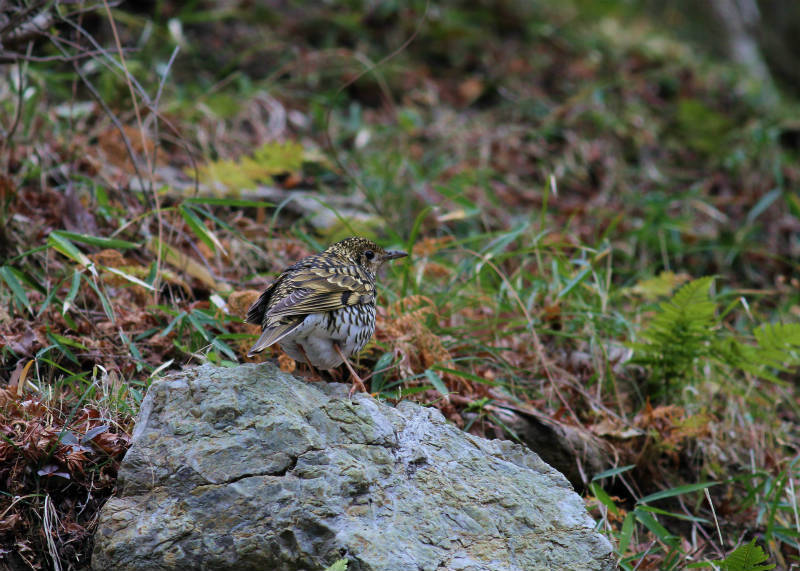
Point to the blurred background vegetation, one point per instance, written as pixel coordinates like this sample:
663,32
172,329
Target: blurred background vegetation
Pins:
601,199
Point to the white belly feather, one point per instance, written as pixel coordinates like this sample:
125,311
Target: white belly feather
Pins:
349,327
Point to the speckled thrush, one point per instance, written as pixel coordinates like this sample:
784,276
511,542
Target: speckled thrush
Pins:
321,310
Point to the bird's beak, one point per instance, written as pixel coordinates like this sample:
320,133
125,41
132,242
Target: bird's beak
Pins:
393,255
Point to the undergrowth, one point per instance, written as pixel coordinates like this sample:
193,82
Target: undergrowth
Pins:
686,336
602,228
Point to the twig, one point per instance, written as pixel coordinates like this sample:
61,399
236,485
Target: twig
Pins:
17,19
14,57
148,158
50,524
154,105
111,115
20,102
107,60
716,521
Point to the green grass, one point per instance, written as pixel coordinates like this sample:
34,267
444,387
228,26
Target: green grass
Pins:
569,197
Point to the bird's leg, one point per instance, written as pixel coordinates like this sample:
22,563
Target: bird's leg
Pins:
357,382
308,362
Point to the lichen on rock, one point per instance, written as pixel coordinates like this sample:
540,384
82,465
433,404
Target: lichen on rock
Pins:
251,468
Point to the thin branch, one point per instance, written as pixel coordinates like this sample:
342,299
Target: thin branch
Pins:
17,19
107,59
148,158
14,57
114,119
154,106
26,31
20,101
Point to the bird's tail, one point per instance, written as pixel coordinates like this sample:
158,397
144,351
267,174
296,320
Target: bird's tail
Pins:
273,334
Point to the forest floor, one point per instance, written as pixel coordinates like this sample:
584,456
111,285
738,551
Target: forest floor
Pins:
604,227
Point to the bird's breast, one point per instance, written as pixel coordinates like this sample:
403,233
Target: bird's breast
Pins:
350,327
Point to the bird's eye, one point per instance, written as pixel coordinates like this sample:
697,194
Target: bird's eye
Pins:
369,254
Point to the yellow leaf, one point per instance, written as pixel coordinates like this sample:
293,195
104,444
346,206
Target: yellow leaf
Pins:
659,286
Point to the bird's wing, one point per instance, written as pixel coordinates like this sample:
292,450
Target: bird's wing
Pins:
306,290
319,290
255,314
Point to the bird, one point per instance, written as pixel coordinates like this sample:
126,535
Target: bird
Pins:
321,310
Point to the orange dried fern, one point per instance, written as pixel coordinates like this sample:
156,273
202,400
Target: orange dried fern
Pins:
403,326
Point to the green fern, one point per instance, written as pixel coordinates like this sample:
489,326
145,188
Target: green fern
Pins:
778,344
777,349
744,558
340,565
680,334
685,332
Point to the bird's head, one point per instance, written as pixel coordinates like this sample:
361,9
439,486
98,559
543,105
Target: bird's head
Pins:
363,252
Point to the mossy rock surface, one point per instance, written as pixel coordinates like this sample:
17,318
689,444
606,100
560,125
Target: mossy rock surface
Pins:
251,468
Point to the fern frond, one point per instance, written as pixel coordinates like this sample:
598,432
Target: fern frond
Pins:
691,309
680,333
340,565
779,343
748,557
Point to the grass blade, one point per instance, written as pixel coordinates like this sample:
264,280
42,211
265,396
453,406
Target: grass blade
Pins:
98,241
9,276
193,221
128,277
237,202
626,533
73,291
680,490
437,382
658,530
613,472
61,243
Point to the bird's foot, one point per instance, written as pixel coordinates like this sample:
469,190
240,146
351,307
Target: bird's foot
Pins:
357,382
309,374
312,375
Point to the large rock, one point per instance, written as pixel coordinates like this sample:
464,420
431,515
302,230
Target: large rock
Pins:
250,468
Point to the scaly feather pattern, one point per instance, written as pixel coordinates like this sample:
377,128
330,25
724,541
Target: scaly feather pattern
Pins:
322,309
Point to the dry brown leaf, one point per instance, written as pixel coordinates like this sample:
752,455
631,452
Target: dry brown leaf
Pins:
286,363
111,146
240,301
